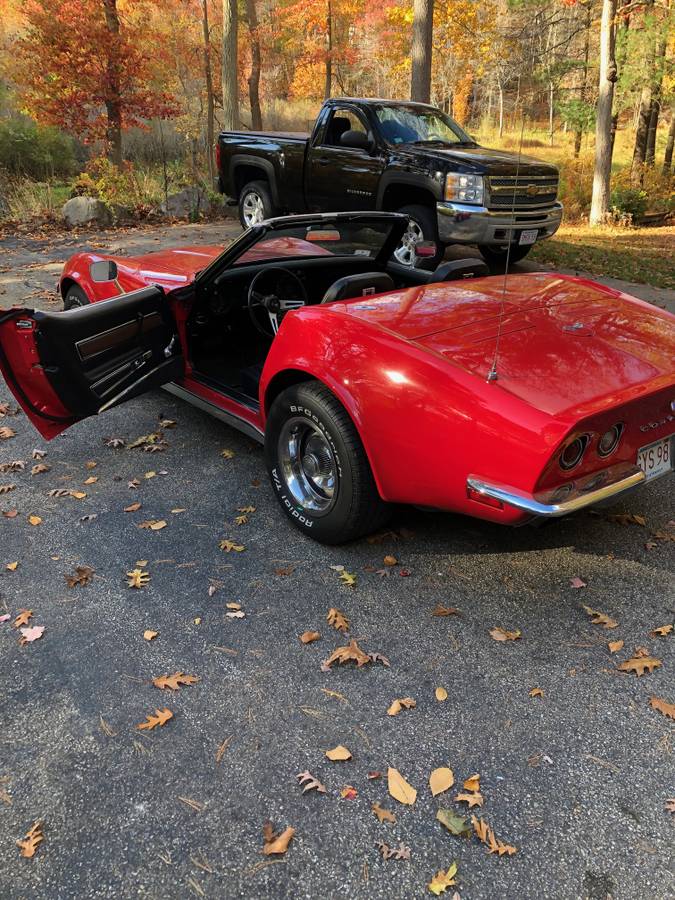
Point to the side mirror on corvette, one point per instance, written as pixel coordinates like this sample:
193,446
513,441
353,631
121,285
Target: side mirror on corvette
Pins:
103,270
357,140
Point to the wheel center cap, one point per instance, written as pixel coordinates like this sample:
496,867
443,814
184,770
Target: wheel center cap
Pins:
311,465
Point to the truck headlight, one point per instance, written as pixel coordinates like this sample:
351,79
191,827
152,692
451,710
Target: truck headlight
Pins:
464,188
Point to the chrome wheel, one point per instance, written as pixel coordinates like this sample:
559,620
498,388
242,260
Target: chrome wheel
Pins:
253,209
405,252
308,466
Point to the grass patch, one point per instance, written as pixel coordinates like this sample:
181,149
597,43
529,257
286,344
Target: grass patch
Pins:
642,255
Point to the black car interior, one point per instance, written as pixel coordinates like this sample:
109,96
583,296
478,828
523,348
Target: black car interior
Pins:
229,331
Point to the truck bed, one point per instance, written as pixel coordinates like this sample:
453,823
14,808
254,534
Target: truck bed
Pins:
286,135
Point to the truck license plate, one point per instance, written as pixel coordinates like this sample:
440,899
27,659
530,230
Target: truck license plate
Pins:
655,459
528,237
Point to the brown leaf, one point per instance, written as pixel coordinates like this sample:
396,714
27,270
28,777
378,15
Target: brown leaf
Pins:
6,433
149,635
599,618
473,798
351,652
338,754
441,694
627,519
153,524
441,780
402,703
445,610
311,783
276,844
23,617
229,546
284,571
138,578
400,852
390,561
115,442
10,513
383,814
16,465
173,682
133,507
227,454
161,717
486,835
34,837
39,468
246,510
670,805
499,634
337,619
35,520
308,637
640,665
377,657
536,692
6,488
615,646
661,631
349,792
666,709
399,788
83,575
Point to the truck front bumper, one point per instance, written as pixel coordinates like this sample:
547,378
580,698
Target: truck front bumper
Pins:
462,223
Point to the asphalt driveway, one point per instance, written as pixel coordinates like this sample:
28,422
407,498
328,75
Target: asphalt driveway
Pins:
577,779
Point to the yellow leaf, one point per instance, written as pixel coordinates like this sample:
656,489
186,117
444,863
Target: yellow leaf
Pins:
472,783
390,561
402,703
441,694
227,454
615,646
443,880
473,798
441,780
150,635
399,788
229,546
338,754
13,566
78,495
348,579
138,578
91,480
35,520
150,475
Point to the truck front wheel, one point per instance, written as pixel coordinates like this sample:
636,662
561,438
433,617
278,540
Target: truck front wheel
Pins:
495,257
255,203
422,227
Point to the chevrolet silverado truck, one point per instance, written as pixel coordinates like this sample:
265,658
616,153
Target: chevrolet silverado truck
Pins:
395,155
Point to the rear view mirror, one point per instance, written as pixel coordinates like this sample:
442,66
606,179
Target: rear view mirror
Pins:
103,270
425,249
356,140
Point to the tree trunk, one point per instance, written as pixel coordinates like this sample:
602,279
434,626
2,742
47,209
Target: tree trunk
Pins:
210,105
578,134
550,112
603,117
423,23
670,143
644,115
501,108
328,83
230,73
254,77
650,153
113,102
659,65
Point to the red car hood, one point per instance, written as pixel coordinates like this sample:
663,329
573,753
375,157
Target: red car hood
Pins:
566,344
169,267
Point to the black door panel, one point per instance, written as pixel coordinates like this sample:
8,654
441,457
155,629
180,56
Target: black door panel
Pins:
99,355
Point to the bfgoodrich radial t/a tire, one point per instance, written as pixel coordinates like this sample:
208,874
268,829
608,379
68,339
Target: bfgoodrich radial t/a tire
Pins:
318,467
75,297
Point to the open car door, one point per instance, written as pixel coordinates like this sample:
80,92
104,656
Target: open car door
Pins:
66,366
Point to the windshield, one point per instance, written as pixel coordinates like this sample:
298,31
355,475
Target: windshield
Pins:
418,124
364,238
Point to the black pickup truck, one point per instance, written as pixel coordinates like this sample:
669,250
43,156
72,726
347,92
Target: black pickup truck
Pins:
395,155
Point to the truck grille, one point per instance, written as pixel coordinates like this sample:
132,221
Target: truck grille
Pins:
531,191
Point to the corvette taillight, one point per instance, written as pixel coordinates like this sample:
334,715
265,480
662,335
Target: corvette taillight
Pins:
572,453
609,441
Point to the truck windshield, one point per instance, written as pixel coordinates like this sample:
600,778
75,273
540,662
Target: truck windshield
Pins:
403,124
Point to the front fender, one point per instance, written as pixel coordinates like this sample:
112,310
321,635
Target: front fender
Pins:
425,424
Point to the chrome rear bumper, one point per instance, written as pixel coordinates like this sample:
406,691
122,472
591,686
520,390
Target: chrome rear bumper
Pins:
590,491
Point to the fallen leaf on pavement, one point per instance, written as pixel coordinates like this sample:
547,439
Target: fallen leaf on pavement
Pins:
16,465
338,754
229,546
91,480
31,842
173,682
246,510
30,634
383,814
6,433
349,792
379,658
661,631
615,646
227,454
441,694
35,520
149,635
576,582
472,783
337,619
445,610
275,844
402,703
133,507
536,692
627,519
114,442
153,524
473,798
399,788
441,780
454,823
6,488
5,617
39,468
599,618
311,783
670,805
308,637
390,561
499,634
348,579
138,578
443,880
486,835
83,575
351,652
161,717
640,665
23,617
666,709
400,852
10,513
12,567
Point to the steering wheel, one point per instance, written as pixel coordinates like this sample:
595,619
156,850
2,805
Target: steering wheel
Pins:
276,291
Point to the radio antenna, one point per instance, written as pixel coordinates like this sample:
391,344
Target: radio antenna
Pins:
493,374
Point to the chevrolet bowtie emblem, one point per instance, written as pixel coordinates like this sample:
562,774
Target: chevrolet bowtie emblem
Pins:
532,190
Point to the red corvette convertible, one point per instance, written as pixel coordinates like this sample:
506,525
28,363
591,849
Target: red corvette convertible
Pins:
368,383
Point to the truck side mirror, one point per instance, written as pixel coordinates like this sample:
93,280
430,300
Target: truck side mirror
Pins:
103,270
356,140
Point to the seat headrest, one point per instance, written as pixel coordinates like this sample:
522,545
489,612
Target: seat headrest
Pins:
359,286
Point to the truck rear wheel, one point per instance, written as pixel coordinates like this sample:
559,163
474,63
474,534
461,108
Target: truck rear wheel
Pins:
422,227
255,203
495,257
